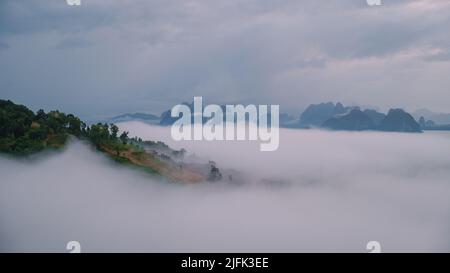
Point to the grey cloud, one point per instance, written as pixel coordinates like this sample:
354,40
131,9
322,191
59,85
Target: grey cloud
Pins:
315,63
150,55
73,43
22,17
3,46
440,57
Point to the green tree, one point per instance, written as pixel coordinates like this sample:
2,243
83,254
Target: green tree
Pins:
114,131
124,137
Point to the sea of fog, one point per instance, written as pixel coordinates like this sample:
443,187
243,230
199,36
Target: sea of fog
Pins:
320,191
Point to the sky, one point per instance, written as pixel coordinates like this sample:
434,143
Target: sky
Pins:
109,57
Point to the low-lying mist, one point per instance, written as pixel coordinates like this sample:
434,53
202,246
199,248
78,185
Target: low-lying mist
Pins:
320,191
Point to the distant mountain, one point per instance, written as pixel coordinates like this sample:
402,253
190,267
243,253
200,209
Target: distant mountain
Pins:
429,125
288,121
425,123
137,116
148,118
376,117
356,120
166,119
438,118
338,117
398,120
316,114
437,127
323,115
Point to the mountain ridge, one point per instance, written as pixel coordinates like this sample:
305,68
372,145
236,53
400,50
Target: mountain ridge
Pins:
322,115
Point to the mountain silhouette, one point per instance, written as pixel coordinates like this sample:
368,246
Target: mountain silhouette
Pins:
398,120
316,114
377,117
356,120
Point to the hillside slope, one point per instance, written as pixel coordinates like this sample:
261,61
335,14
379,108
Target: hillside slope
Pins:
22,133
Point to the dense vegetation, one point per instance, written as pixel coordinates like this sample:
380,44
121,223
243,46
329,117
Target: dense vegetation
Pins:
22,132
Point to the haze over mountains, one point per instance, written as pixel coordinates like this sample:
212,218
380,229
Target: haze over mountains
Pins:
332,116
436,118
149,118
338,117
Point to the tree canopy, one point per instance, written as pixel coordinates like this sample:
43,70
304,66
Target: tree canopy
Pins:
24,132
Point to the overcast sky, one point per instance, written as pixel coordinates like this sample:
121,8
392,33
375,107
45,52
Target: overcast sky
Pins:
109,57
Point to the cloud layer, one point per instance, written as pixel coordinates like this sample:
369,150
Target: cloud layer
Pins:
321,191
